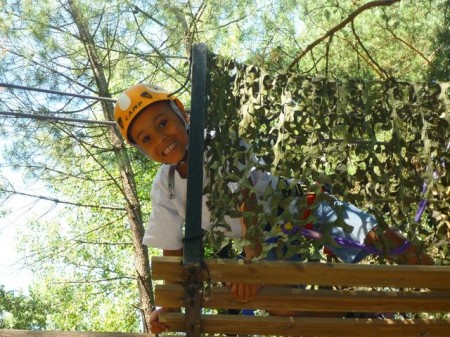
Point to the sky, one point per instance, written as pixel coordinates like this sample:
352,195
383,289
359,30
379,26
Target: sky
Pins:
13,274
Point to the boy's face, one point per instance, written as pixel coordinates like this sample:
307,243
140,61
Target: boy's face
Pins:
160,133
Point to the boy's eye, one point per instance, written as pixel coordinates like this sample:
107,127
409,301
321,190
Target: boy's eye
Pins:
162,123
146,139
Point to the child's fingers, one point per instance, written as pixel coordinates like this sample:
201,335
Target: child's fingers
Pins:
244,292
254,290
247,292
157,327
240,292
233,289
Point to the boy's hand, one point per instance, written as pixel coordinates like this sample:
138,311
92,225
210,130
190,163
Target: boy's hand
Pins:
244,292
156,326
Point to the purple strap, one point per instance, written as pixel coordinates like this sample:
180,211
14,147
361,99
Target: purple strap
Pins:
353,244
422,204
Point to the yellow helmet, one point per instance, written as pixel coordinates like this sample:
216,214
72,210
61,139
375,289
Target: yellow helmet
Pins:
138,97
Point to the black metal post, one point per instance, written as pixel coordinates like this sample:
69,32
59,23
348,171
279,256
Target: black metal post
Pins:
193,232
193,252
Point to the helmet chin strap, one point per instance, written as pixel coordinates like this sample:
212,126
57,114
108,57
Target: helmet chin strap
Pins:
172,169
177,110
183,161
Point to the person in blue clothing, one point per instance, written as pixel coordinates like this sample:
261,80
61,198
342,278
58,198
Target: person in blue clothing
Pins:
156,123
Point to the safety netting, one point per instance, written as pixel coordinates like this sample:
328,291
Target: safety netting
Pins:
383,145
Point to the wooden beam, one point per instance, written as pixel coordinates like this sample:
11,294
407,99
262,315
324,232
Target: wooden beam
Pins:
309,327
42,333
326,274
269,298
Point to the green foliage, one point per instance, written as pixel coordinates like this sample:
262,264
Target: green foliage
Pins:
440,66
18,311
394,41
87,304
86,272
377,142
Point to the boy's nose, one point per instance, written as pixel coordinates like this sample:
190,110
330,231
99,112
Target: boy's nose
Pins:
162,137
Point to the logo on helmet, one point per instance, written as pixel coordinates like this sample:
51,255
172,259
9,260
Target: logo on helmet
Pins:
120,122
130,112
146,94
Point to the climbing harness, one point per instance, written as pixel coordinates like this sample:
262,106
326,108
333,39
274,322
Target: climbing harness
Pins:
307,231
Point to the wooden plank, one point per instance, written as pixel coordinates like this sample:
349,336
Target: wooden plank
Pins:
338,274
43,333
309,327
271,298
167,268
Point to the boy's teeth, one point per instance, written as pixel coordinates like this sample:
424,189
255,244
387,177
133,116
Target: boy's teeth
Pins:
169,148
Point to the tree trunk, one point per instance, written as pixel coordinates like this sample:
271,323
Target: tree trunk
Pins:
133,207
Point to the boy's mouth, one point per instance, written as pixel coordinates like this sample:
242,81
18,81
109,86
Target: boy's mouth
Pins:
168,149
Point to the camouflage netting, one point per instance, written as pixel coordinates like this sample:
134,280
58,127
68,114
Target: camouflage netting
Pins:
379,144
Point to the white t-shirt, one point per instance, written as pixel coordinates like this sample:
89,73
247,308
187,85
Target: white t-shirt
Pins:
165,227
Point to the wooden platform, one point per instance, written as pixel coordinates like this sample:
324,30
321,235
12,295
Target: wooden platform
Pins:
423,292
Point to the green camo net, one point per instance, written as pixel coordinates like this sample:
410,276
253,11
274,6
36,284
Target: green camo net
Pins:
376,143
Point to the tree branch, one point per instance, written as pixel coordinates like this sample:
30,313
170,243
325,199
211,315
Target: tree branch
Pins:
137,9
362,57
358,40
409,45
351,17
327,54
58,201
